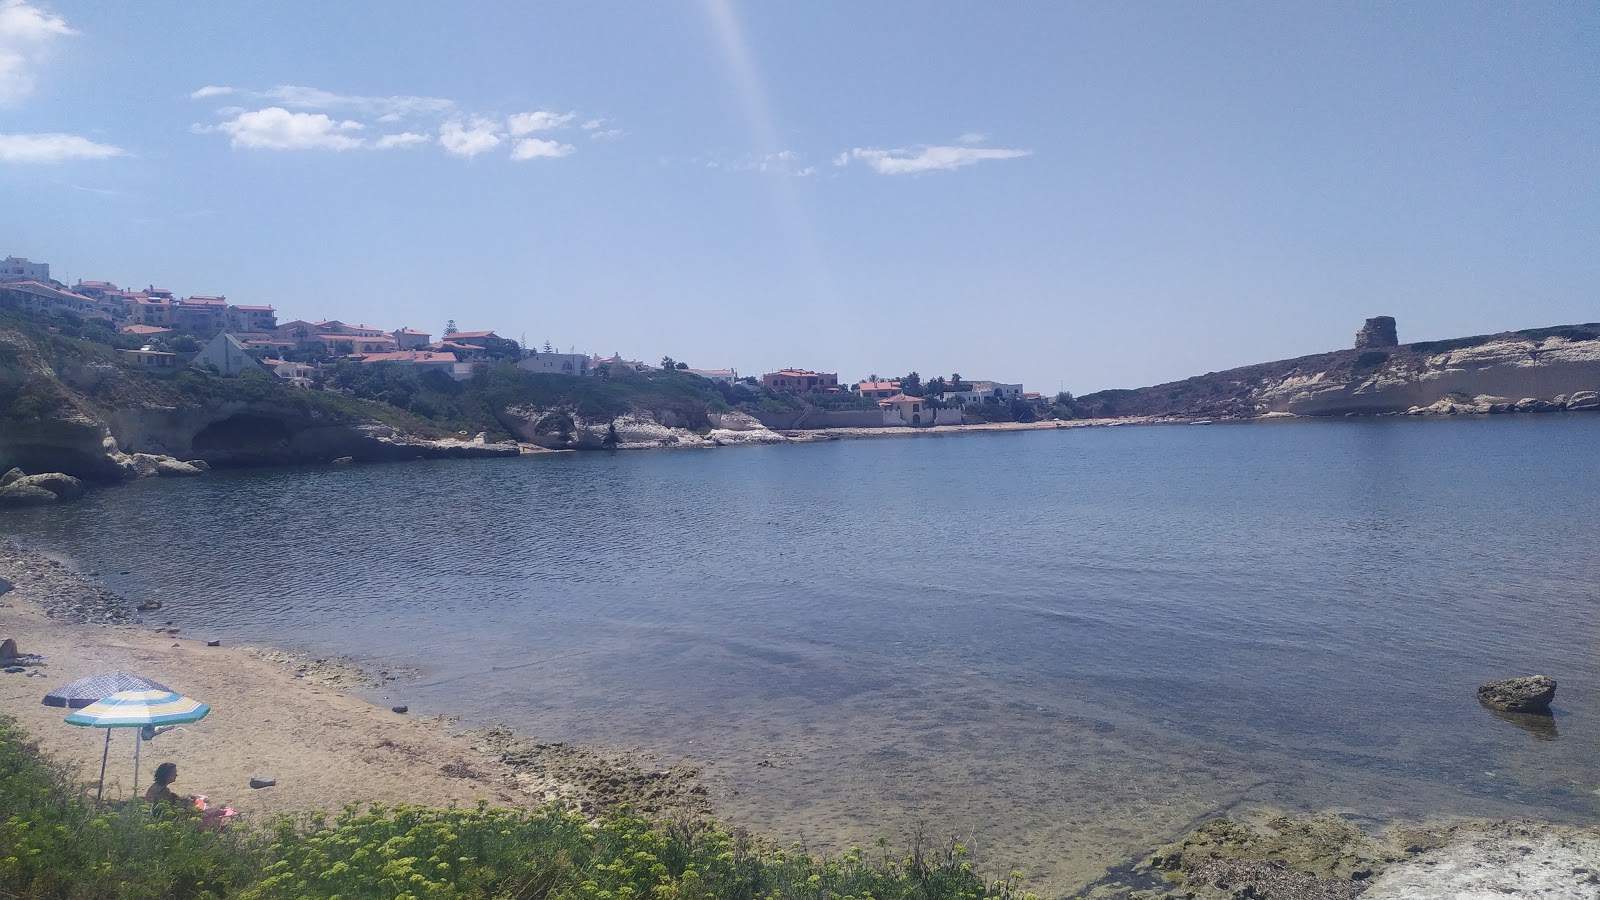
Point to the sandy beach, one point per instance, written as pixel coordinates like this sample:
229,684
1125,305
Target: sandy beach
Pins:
283,717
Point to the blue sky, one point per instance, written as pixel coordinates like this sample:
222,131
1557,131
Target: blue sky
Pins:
1066,194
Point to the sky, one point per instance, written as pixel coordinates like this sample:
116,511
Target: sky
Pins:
1071,195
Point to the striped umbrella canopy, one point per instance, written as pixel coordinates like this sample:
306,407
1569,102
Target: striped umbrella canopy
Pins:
135,709
85,691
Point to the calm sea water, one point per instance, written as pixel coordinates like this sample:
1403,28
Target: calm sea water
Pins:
1063,647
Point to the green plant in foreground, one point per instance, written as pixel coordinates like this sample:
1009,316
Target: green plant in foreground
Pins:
54,845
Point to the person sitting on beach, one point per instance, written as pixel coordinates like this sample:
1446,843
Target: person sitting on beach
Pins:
161,792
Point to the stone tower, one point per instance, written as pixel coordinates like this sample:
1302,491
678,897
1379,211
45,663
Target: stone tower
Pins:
1378,332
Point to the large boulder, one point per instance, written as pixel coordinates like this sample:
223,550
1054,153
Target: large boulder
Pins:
11,476
26,495
1584,400
1531,694
65,487
176,468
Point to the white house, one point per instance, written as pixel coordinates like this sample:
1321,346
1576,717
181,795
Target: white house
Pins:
726,376
914,412
979,391
555,363
226,353
15,268
296,373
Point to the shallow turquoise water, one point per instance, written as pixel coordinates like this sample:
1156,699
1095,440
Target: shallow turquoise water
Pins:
1061,646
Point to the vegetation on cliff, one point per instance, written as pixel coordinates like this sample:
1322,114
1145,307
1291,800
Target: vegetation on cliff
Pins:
56,845
61,369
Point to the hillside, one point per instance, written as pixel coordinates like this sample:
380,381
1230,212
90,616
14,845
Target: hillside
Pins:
1535,370
69,404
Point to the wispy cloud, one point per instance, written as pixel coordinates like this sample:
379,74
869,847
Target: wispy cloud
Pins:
276,128
305,118
403,139
52,148
542,120
601,129
391,108
534,148
923,159
481,136
782,162
26,35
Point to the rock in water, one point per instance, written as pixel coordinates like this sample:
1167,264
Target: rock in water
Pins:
11,476
65,487
1531,694
25,495
175,468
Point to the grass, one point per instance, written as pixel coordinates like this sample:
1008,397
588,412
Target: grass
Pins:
55,845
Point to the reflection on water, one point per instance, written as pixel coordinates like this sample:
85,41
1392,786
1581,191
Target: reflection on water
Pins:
1541,725
1063,647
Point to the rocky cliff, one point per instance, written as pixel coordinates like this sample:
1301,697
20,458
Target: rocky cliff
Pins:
1539,370
70,406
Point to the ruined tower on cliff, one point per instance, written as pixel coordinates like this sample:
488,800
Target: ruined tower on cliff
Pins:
1378,332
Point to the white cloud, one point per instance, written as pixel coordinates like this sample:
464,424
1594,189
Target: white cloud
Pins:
211,90
592,124
295,96
606,134
918,160
52,148
276,128
404,139
26,33
543,120
534,148
972,137
481,137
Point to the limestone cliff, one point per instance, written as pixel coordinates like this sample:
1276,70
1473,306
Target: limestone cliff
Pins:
1527,371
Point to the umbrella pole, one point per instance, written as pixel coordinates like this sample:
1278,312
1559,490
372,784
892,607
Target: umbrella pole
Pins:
104,754
137,743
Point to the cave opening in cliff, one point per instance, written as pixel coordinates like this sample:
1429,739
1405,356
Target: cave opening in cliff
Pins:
244,435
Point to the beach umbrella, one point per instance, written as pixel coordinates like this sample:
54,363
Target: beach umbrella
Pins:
85,691
136,709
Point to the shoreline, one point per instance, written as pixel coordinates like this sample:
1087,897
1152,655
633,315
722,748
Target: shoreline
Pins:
285,715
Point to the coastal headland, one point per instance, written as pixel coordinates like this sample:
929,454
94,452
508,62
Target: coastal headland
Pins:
72,406
279,715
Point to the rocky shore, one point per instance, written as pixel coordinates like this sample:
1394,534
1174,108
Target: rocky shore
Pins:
1272,856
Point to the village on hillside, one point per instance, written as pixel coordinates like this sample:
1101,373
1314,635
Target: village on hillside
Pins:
161,332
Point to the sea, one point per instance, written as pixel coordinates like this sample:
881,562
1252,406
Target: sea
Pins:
1058,648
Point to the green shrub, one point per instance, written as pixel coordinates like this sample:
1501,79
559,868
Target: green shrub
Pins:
54,845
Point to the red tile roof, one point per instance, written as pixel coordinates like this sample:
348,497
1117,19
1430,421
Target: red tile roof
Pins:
255,308
472,334
878,386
